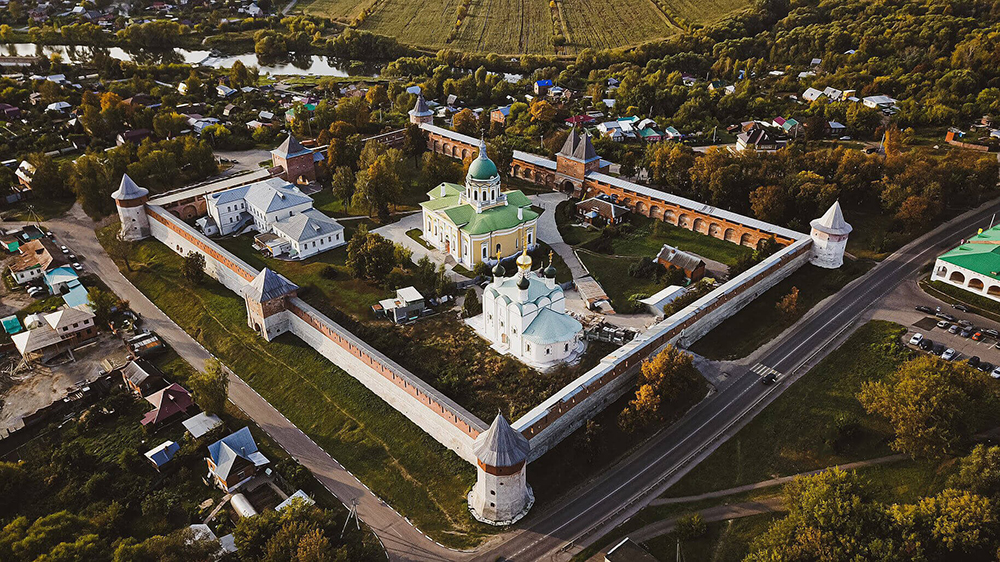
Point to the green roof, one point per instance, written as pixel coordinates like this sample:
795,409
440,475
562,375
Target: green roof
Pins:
981,253
550,326
483,169
465,217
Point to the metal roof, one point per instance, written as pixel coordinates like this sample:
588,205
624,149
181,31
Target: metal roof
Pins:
500,445
832,222
268,285
129,190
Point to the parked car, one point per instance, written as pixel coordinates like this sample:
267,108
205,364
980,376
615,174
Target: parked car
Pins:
926,309
943,324
961,307
996,373
985,366
35,292
949,354
915,340
966,332
938,349
77,266
926,344
954,329
64,249
973,361
946,316
965,323
977,336
992,333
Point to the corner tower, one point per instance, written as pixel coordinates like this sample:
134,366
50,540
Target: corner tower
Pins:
829,234
265,298
131,202
501,495
421,113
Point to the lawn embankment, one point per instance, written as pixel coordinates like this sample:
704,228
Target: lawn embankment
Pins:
816,422
952,294
760,321
403,465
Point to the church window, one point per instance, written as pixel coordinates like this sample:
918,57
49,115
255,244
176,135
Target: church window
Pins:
498,248
492,504
527,347
548,350
529,238
566,347
493,492
475,195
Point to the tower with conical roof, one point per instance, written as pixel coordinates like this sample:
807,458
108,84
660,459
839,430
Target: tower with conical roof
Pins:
297,162
501,495
131,202
420,112
265,298
829,234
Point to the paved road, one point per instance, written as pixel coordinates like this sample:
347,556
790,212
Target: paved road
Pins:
76,231
579,519
548,232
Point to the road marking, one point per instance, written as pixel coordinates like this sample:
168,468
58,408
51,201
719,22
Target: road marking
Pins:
763,370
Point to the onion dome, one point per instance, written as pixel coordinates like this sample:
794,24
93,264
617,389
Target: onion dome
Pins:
498,269
524,261
523,283
550,270
482,168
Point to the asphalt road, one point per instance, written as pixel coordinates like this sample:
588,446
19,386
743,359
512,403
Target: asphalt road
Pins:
617,494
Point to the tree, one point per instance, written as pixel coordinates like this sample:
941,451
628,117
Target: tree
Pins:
354,110
169,124
211,387
542,111
240,76
342,183
953,525
788,305
181,545
47,179
471,307
377,97
103,304
194,267
120,249
661,379
90,181
465,122
370,256
768,203
414,142
932,405
979,472
378,186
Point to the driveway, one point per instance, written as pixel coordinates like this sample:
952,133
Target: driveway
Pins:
549,233
245,159
397,233
402,540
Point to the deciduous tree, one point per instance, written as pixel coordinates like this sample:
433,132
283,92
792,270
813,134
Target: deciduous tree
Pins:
211,387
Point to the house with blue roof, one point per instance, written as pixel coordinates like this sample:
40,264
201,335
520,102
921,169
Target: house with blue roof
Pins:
162,453
234,459
542,87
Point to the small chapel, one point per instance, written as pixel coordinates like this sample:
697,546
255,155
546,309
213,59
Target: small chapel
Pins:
524,315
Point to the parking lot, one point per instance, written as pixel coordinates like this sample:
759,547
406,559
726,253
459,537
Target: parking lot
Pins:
966,347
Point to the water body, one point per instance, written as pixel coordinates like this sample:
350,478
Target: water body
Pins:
311,65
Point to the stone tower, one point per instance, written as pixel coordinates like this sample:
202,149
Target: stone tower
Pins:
501,495
829,235
265,299
297,162
574,160
420,112
131,202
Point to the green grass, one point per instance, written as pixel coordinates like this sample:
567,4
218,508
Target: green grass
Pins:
44,209
798,431
391,455
415,234
608,25
612,274
759,322
647,236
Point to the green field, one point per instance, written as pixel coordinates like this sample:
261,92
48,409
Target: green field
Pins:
522,26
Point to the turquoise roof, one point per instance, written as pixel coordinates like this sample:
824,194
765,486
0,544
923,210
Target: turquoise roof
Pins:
482,168
981,253
468,220
550,326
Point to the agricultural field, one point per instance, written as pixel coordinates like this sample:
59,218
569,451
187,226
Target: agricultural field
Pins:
607,25
523,26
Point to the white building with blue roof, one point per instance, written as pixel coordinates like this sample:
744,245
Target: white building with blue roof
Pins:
276,206
524,315
234,459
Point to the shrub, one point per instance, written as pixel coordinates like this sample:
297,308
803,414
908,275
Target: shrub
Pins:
329,272
691,527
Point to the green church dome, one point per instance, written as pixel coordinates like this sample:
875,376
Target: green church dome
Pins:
482,168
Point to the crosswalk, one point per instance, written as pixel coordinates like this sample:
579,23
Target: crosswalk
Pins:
762,370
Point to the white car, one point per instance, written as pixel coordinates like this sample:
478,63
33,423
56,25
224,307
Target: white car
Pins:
916,339
996,373
64,249
943,324
77,266
949,354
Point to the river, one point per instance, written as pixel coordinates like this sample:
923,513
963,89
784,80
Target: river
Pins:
312,65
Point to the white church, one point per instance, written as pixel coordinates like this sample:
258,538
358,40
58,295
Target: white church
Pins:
524,315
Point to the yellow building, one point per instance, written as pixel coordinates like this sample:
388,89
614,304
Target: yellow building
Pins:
478,222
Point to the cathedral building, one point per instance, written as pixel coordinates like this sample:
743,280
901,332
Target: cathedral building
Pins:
524,315
478,221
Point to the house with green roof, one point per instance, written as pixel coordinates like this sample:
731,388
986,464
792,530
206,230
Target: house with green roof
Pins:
478,222
974,265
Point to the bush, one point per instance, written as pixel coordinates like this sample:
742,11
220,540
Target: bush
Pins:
633,302
472,306
329,272
646,268
691,527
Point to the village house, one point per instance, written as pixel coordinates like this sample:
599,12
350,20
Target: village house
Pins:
167,403
500,114
541,87
406,306
600,210
692,266
234,459
142,378
757,138
162,453
59,331
35,259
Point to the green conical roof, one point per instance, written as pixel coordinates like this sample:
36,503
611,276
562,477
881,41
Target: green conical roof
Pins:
482,168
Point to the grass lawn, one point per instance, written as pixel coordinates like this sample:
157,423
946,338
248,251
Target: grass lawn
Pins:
612,273
799,430
416,235
403,465
759,322
647,236
952,294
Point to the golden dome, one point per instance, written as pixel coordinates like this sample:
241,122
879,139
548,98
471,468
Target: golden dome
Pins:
524,261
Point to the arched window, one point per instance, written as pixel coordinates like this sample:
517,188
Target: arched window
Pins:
498,249
529,237
475,195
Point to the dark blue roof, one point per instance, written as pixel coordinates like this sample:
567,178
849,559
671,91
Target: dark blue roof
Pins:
544,82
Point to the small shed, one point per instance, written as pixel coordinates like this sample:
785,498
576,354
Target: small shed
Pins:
199,425
11,324
162,453
692,266
243,506
662,298
405,307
